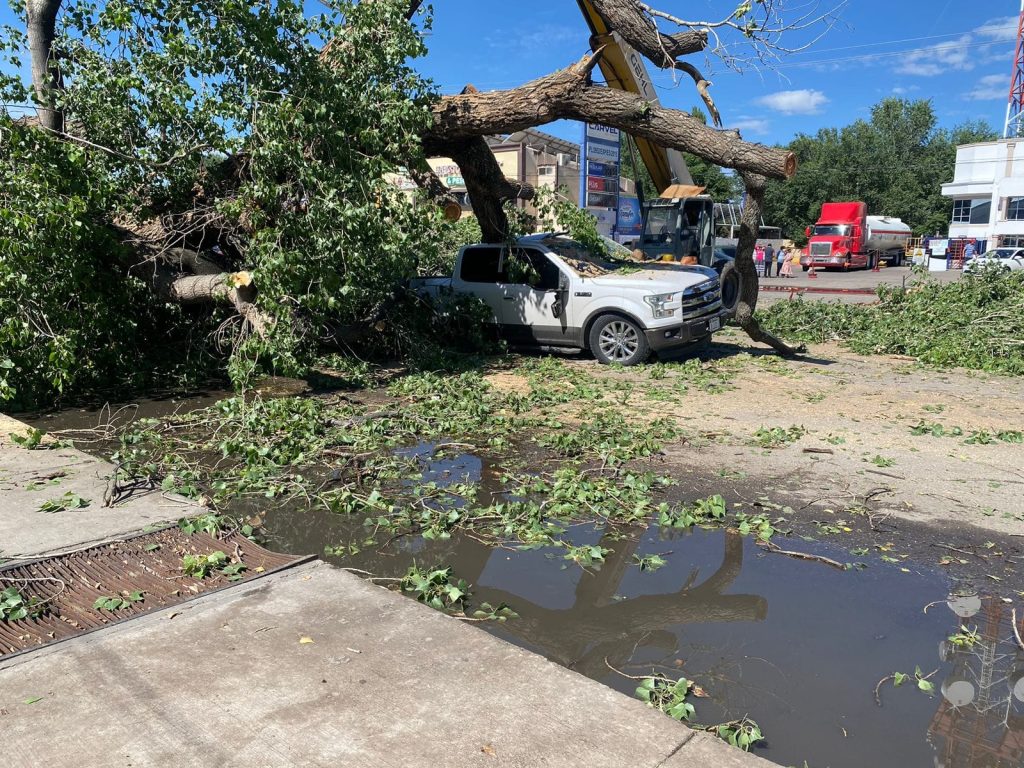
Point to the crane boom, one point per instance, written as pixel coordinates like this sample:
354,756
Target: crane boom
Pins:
624,68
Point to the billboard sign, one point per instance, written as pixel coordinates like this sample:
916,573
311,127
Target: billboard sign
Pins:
629,222
599,186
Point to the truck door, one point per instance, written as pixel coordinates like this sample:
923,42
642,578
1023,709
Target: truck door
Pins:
480,276
529,296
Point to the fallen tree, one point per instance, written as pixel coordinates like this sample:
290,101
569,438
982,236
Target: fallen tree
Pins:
239,166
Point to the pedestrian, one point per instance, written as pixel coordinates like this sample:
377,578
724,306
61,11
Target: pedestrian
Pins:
786,263
968,251
769,259
759,258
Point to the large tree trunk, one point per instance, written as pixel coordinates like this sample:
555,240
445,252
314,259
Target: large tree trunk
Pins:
461,121
750,225
46,78
570,95
485,182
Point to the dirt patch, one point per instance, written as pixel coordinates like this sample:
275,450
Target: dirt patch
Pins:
925,445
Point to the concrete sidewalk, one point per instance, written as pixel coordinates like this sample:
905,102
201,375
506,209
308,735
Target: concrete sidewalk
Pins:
30,478
316,667
309,667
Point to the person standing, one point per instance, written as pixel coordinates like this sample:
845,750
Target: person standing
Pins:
783,258
759,258
769,259
786,263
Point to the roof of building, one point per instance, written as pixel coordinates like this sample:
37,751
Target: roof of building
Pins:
539,140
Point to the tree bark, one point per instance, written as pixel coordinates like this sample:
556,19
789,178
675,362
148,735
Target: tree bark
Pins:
46,78
750,225
485,182
628,18
235,288
570,95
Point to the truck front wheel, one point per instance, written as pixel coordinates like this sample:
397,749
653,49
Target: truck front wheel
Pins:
615,339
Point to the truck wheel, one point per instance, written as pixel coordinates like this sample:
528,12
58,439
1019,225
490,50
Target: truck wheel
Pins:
614,339
729,280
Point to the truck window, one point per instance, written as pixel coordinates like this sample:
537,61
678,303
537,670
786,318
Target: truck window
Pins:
480,265
525,266
661,225
839,230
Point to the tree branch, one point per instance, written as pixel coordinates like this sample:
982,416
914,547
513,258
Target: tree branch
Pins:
569,94
750,225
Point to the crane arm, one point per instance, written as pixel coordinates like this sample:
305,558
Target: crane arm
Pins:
624,68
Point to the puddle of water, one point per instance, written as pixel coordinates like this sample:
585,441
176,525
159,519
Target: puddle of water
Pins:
795,645
118,415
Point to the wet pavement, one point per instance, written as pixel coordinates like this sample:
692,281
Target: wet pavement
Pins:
795,645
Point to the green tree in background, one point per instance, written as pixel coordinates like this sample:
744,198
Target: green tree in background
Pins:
895,162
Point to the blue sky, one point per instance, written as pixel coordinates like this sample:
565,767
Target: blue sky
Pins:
955,53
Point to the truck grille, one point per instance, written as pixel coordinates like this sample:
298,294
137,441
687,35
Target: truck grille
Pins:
821,249
702,299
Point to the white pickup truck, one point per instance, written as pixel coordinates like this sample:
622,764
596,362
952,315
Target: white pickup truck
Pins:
549,290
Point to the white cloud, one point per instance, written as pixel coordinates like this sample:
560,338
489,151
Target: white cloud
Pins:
1004,27
939,58
989,88
902,90
750,125
802,102
979,46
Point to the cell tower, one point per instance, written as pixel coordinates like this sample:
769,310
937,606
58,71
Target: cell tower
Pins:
1015,106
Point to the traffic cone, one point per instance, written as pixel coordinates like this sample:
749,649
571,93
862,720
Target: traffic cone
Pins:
812,273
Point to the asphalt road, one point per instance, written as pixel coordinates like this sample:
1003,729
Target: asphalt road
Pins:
822,286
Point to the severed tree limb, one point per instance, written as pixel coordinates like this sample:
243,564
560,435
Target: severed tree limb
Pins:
750,225
234,287
436,190
630,19
569,94
486,183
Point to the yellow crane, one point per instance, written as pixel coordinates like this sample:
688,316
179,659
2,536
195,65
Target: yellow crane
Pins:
624,69
679,224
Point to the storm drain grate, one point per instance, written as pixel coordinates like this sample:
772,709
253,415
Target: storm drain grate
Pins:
66,588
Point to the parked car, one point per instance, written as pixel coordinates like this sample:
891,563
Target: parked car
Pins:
1009,258
549,290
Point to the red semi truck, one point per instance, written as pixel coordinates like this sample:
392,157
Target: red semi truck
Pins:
845,237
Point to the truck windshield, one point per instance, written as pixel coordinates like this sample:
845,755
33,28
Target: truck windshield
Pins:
840,230
661,225
583,261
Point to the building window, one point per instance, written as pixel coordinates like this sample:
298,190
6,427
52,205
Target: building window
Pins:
973,211
1015,209
980,210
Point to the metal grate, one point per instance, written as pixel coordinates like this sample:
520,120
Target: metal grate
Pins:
67,586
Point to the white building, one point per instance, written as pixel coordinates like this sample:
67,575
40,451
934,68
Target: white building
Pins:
988,192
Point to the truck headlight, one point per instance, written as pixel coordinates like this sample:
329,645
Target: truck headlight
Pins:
659,304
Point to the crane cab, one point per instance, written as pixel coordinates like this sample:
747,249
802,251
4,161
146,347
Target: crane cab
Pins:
679,229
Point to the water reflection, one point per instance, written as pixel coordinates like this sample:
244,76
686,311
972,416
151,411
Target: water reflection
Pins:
597,626
980,720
